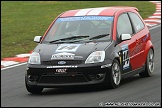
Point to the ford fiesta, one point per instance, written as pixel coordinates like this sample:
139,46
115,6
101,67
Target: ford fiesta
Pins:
94,46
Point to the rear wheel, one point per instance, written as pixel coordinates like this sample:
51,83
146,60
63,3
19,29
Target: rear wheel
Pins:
115,77
32,89
149,69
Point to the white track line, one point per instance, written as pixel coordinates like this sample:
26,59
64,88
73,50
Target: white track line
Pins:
156,1
155,17
8,63
158,8
158,21
150,24
23,55
14,66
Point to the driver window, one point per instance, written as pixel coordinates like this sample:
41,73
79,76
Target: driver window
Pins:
123,25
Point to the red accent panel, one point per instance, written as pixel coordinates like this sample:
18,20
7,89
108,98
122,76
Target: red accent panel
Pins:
108,12
16,59
69,13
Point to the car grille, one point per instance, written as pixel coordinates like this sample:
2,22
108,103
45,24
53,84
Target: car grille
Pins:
62,79
68,62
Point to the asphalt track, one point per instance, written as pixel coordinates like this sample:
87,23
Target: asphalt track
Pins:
133,89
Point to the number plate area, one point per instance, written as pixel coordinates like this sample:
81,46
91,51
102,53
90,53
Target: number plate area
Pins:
61,71
62,75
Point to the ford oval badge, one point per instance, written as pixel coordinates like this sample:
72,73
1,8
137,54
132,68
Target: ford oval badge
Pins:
62,62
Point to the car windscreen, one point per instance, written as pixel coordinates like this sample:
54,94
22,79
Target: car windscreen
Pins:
80,27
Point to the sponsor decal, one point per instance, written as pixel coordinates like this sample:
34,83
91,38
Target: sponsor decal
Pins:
63,56
138,27
120,57
78,56
85,18
62,66
126,59
62,62
61,71
67,48
137,48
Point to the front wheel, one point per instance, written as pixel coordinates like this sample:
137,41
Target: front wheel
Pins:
115,76
33,90
149,69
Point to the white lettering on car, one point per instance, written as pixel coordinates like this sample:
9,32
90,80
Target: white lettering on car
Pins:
63,56
126,59
62,66
58,71
67,48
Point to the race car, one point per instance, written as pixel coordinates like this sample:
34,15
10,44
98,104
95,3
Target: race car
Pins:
93,46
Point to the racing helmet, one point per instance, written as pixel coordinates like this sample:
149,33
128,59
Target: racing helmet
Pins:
73,27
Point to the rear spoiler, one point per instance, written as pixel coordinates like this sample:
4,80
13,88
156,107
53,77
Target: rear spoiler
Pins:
132,8
126,7
135,8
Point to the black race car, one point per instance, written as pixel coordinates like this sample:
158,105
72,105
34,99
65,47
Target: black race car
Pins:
91,46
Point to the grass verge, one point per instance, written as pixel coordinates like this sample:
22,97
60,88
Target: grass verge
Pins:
21,21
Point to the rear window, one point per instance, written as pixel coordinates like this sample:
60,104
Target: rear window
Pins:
138,24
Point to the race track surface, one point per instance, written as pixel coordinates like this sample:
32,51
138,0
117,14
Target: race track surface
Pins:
133,89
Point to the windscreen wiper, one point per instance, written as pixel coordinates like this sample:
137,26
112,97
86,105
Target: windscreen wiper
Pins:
99,36
68,38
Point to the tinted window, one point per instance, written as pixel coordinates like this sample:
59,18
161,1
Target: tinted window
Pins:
124,25
138,24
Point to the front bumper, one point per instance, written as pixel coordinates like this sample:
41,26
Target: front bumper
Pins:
46,76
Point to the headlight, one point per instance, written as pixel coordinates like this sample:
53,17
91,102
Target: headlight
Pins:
95,57
34,58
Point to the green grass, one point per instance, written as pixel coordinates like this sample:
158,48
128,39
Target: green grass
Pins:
21,21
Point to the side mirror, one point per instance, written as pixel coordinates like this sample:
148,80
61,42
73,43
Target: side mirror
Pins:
37,39
124,37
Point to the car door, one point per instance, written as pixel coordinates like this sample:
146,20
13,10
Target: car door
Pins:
129,60
140,38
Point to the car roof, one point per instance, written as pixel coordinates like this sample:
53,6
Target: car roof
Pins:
100,11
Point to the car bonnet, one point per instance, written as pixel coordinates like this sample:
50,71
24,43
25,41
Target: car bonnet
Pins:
66,51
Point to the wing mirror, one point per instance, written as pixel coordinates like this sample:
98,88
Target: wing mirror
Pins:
124,37
37,39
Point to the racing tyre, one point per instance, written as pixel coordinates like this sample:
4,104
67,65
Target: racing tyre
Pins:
149,67
115,77
33,90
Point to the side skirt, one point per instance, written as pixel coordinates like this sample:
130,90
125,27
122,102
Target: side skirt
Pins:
131,73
